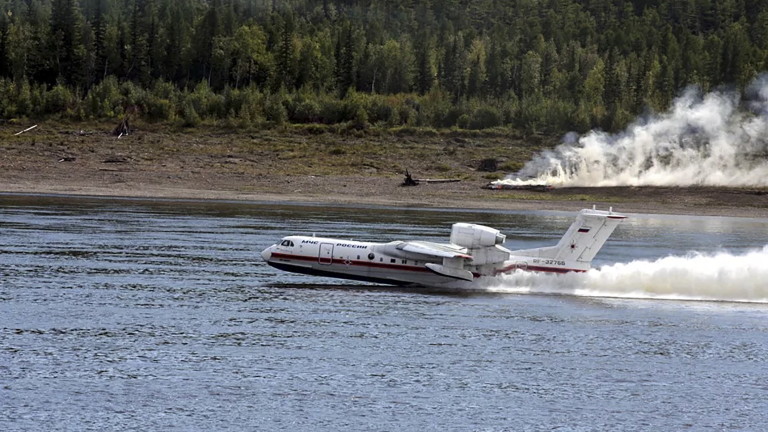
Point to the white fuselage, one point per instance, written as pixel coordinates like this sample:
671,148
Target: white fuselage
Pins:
474,252
384,263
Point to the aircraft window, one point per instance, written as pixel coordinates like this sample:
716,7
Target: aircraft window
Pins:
392,260
287,243
371,256
405,261
358,257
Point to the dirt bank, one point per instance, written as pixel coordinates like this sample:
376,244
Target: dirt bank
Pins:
328,168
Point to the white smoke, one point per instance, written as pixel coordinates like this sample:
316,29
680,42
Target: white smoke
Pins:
707,140
715,277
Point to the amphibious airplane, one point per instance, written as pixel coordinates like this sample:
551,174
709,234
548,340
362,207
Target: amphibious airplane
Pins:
474,252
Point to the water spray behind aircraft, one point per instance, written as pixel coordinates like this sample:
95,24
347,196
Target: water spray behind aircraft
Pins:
707,140
722,276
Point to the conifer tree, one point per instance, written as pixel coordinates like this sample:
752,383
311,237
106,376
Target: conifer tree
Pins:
66,42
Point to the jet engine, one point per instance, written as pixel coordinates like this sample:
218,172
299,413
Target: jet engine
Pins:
473,236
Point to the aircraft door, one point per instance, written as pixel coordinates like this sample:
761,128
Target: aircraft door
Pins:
326,254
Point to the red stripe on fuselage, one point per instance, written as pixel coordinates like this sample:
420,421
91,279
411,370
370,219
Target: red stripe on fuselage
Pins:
390,266
382,265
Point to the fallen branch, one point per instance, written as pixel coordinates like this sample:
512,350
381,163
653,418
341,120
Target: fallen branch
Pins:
26,130
410,181
454,180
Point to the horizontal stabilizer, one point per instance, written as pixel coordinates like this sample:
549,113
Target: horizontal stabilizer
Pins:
450,272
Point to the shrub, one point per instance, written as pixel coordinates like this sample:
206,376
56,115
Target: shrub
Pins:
331,110
206,103
303,109
131,94
59,99
160,109
379,111
251,106
15,98
37,99
275,111
406,115
165,90
484,118
189,116
104,99
23,99
463,121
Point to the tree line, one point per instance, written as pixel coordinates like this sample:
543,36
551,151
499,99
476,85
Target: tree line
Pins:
536,65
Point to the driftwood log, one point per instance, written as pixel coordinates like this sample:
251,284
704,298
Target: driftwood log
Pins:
410,181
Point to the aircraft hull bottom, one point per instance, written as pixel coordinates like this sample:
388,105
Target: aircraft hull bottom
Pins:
332,274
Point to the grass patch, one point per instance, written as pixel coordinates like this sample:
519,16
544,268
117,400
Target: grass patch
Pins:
329,149
511,167
493,176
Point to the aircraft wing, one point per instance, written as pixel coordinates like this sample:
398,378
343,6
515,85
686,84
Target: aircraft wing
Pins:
434,249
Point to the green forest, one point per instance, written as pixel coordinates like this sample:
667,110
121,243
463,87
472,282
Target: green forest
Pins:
539,66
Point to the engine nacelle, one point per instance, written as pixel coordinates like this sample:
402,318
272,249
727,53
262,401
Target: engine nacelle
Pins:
473,236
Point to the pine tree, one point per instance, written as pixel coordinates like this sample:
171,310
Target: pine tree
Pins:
19,43
451,72
66,42
546,58
285,54
425,65
5,69
99,26
345,60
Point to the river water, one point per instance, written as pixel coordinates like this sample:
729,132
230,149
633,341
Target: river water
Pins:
159,315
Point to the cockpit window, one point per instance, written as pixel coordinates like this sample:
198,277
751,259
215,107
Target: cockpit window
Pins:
286,243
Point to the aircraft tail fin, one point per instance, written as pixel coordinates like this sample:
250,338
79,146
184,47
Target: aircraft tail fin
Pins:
583,240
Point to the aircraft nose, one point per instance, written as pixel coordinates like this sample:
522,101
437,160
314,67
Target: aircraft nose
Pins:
267,253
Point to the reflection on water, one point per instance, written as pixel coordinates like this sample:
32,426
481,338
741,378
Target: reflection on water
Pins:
159,315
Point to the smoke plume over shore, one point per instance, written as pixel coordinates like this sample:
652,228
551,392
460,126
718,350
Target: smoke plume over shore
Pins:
714,139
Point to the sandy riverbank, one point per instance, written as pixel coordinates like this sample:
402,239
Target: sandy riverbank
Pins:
148,165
